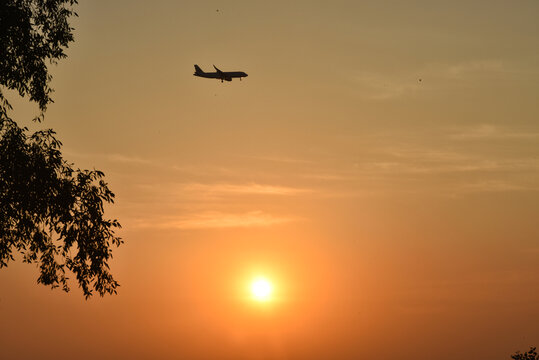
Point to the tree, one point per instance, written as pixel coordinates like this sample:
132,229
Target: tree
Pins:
50,213
528,355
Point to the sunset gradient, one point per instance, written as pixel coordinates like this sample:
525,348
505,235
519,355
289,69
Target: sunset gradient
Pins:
379,167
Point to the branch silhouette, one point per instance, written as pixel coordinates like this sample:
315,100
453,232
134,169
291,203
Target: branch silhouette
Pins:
50,212
528,355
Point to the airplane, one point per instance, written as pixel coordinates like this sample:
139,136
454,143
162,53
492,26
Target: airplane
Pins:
223,75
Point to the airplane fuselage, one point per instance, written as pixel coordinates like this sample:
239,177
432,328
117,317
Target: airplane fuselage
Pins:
221,75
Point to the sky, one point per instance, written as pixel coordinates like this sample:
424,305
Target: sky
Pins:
379,166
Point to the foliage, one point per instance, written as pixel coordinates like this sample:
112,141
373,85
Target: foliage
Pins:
528,355
50,212
42,199
32,33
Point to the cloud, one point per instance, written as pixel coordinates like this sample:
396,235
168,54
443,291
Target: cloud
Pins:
491,132
251,188
420,166
491,186
128,159
431,166
426,159
215,219
421,160
391,85
473,66
383,87
408,167
281,159
327,176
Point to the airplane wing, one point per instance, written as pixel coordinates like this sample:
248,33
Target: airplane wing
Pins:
219,71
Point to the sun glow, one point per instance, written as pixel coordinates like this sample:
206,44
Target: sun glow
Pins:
261,289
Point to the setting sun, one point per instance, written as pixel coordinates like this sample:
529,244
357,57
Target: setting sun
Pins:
261,289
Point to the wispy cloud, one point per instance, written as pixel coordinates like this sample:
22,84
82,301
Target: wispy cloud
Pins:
128,159
250,188
421,160
281,159
382,86
390,85
215,219
451,168
326,176
114,157
492,132
394,167
193,169
472,67
491,186
422,165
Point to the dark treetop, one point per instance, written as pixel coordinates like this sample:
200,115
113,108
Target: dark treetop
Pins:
50,212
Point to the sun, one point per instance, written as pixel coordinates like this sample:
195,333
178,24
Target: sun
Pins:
261,289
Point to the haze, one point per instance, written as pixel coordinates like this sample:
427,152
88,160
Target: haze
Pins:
379,166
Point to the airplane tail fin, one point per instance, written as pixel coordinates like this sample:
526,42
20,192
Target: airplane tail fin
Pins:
198,70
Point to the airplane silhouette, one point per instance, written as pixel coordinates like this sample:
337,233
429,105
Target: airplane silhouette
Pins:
223,75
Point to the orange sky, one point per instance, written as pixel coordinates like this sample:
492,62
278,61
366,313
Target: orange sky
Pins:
379,164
